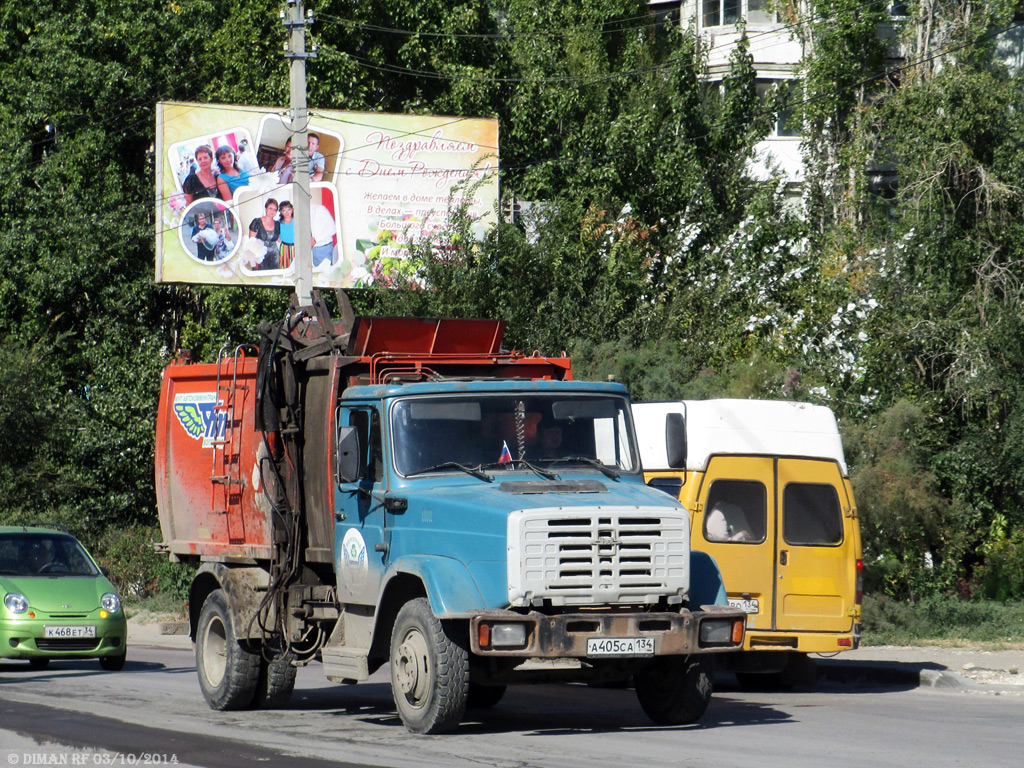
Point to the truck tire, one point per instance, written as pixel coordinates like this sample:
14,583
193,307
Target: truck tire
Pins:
228,672
276,683
484,696
675,690
429,670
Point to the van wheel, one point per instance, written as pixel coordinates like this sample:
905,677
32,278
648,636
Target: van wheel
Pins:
276,683
228,672
675,690
429,669
761,681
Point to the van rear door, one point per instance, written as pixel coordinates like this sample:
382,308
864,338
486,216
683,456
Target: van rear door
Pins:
737,528
779,530
816,577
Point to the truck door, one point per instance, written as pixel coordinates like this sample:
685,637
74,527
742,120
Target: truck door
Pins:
816,580
360,533
736,526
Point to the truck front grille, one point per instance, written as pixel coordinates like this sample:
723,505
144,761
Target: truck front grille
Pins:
604,556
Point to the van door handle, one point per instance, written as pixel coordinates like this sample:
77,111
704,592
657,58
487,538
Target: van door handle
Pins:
783,556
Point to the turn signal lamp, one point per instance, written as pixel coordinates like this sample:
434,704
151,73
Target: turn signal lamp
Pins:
859,596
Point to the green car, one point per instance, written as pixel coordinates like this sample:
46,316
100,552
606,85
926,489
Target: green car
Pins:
57,602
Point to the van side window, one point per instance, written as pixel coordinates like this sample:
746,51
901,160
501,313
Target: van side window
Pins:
736,511
811,515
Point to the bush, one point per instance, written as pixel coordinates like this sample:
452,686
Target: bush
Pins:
137,570
939,618
1002,575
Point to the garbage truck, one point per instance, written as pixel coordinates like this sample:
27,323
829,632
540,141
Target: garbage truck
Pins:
405,492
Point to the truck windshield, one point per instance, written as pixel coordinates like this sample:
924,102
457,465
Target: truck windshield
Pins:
553,432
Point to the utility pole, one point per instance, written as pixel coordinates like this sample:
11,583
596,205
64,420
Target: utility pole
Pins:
295,21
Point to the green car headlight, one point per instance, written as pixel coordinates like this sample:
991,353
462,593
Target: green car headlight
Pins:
15,603
110,603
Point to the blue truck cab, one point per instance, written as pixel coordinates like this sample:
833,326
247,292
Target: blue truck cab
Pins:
470,517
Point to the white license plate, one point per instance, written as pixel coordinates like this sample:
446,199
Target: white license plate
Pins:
749,605
620,646
77,631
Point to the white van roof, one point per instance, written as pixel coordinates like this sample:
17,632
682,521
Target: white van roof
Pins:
757,427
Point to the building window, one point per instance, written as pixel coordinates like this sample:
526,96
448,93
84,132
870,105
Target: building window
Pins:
717,13
786,123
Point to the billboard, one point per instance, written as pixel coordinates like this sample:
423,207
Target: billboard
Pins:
379,183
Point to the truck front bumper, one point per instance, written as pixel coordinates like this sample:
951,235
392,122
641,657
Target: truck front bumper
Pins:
591,635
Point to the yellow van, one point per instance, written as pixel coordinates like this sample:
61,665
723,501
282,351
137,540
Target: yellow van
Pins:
770,500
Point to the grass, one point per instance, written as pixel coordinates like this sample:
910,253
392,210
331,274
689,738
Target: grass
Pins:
157,604
944,622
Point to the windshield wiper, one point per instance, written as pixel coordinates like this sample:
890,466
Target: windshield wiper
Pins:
598,465
474,471
524,463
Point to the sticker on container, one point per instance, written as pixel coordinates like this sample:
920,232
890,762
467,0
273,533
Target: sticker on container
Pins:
199,416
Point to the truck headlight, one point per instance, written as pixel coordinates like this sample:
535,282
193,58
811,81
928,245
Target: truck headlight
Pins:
15,603
505,634
721,632
110,603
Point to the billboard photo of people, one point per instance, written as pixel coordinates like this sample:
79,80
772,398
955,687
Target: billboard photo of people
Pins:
380,185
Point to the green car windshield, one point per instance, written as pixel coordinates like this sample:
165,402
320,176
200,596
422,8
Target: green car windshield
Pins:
43,554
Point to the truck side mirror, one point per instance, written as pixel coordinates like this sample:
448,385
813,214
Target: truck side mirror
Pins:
675,440
348,469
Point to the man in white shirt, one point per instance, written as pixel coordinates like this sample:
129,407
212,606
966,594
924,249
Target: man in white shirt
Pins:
246,158
323,229
317,162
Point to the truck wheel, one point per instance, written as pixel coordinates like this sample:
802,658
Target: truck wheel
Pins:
675,690
484,696
276,683
228,672
429,670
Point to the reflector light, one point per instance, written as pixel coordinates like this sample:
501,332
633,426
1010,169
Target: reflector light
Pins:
483,635
845,642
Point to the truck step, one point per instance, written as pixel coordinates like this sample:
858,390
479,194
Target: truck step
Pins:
346,664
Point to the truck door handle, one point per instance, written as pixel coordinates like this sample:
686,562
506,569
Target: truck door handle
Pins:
381,546
783,557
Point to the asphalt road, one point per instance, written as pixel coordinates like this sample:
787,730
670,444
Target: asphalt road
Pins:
152,713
